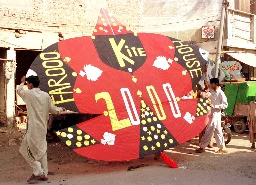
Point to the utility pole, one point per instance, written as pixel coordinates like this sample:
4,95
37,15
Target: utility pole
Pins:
220,40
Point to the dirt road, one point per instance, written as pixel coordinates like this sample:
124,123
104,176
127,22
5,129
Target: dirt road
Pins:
236,167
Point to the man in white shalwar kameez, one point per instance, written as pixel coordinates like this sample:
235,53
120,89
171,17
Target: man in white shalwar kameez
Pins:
251,122
34,145
218,103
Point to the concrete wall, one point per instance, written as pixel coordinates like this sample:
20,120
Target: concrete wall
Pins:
2,93
7,86
183,20
2,87
10,69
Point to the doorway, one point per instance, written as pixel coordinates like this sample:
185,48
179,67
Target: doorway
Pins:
24,59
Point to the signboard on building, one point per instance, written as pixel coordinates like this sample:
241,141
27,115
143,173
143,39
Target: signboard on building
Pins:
232,70
208,32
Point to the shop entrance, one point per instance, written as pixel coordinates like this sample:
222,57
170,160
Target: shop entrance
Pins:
24,59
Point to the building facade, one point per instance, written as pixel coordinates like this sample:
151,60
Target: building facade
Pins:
240,35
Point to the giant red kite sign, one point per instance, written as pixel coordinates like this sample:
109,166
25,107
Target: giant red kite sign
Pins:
134,81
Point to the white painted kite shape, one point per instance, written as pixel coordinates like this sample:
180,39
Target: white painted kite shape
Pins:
108,138
189,118
31,73
162,63
204,54
70,136
92,73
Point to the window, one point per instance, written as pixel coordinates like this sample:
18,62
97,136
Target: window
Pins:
245,5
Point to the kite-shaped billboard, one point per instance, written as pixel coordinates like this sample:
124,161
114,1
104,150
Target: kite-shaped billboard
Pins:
134,82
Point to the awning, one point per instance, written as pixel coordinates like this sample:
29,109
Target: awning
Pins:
246,58
28,41
4,59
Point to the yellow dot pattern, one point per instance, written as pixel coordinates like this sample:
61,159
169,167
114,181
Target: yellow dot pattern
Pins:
149,138
78,144
87,136
86,143
76,138
68,142
77,90
154,136
79,138
202,106
143,122
79,132
105,113
74,74
63,134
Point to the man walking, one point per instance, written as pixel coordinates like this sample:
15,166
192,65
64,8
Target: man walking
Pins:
251,123
218,102
34,145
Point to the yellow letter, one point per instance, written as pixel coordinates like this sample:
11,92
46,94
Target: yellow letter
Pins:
195,70
116,124
117,49
59,62
61,100
189,65
181,44
57,83
59,91
163,117
52,55
185,50
55,69
141,52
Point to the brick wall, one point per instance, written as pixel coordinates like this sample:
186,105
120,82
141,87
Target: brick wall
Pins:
78,17
47,15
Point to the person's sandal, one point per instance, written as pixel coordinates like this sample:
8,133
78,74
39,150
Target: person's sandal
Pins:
222,151
209,146
42,178
199,150
32,179
253,146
